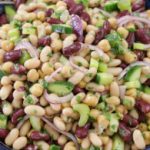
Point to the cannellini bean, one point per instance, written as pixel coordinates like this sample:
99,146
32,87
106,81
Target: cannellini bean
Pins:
114,63
5,80
32,63
85,143
20,143
80,60
108,146
43,145
146,97
34,110
15,77
70,146
59,123
45,53
62,140
114,89
5,91
113,100
7,109
138,139
25,128
95,87
95,139
41,31
12,136
115,71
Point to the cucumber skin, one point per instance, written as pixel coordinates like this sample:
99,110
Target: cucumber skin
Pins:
111,6
35,123
147,90
104,78
133,84
3,121
133,74
60,88
118,144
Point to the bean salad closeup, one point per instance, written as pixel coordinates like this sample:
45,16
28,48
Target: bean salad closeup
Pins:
75,74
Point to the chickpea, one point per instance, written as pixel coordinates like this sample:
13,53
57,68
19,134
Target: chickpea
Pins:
62,140
32,63
123,31
41,15
129,57
36,89
5,91
113,22
32,75
90,37
18,84
7,109
56,45
5,80
2,52
33,39
7,66
45,54
47,69
104,45
7,45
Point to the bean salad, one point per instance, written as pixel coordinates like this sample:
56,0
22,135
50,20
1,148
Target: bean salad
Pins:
75,74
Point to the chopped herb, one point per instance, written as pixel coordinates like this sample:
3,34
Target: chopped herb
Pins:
2,73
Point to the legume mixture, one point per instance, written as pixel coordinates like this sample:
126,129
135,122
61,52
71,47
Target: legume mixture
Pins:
75,75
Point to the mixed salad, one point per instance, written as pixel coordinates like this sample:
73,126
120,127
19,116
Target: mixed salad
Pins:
75,74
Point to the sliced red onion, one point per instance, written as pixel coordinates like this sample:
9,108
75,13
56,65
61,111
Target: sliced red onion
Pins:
106,14
29,47
20,124
138,63
82,69
140,9
49,78
69,135
77,26
122,90
54,99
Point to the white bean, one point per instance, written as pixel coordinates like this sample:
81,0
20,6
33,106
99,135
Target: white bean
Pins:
20,143
32,63
5,91
59,123
95,139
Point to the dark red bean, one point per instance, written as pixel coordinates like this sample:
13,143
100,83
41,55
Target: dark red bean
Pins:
147,82
106,27
16,115
85,16
130,121
12,56
54,21
140,54
125,132
19,2
44,41
142,117
76,9
142,106
123,65
70,3
31,147
49,12
77,90
142,36
130,39
123,13
72,49
10,97
82,132
3,133
36,136
137,5
3,19
18,69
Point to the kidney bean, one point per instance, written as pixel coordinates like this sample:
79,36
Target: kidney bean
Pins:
125,132
102,32
70,3
76,9
3,133
142,117
18,69
123,13
54,21
130,121
19,2
12,56
137,5
123,65
44,41
77,90
140,54
49,12
10,97
16,115
31,147
142,106
37,136
3,19
82,132
72,49
85,16
142,36
130,39
147,82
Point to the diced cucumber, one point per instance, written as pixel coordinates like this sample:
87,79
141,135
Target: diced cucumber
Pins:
61,28
118,143
35,123
133,84
2,73
54,147
60,88
138,46
14,35
25,56
147,90
128,102
102,67
63,60
30,100
124,5
133,74
111,5
84,112
104,78
29,31
94,63
3,121
85,2
10,12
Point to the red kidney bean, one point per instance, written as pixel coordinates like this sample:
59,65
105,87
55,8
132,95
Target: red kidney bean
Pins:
125,132
3,19
36,136
49,12
77,90
123,65
76,9
31,147
123,13
142,36
3,133
12,56
85,16
16,115
10,97
137,5
19,2
54,21
70,3
72,49
102,32
82,132
142,106
140,54
44,41
142,117
130,121
18,69
147,82
130,39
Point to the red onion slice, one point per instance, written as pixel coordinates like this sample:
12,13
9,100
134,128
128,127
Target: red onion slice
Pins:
77,26
122,90
138,63
69,135
54,99
29,47
20,124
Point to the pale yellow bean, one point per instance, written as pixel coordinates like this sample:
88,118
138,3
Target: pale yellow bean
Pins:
114,70
108,146
5,80
145,97
90,74
114,89
85,144
69,146
45,53
20,143
25,128
41,31
15,77
36,89
113,100
59,123
95,87
42,145
114,63
95,139
32,63
7,108
62,140
5,91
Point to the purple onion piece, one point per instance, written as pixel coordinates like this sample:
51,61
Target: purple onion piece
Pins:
142,106
77,26
130,39
18,69
44,41
49,12
123,13
72,49
31,147
85,16
140,54
77,90
138,5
